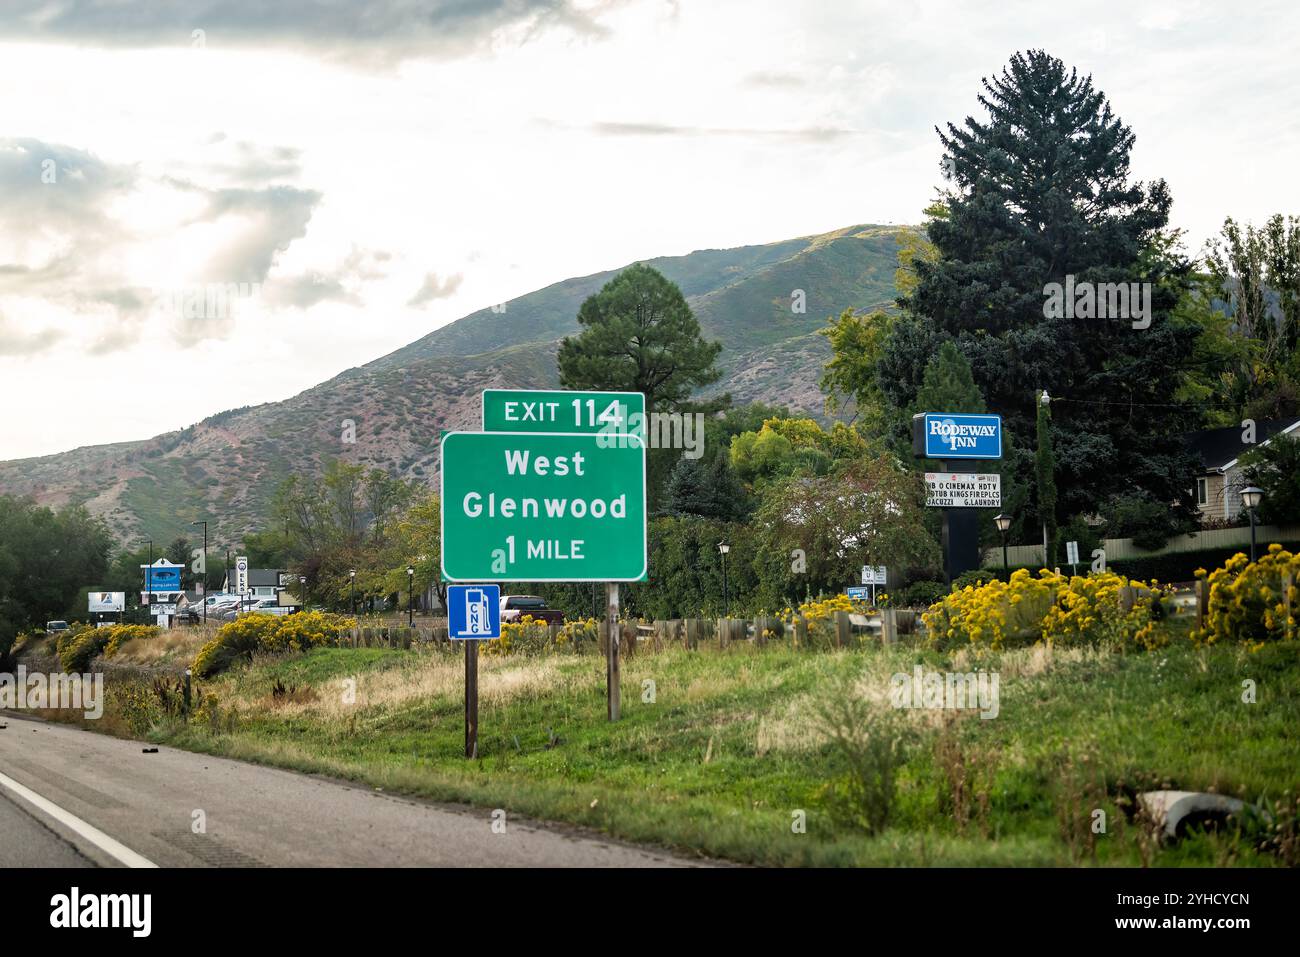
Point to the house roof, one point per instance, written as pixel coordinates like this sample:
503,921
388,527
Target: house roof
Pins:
1219,448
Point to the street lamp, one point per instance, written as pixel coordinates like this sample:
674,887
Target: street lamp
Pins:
205,569
352,590
302,590
723,548
1003,522
1251,497
410,595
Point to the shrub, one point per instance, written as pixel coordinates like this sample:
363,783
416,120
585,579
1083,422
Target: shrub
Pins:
1249,601
1053,608
118,635
77,652
921,594
975,576
257,632
532,636
870,742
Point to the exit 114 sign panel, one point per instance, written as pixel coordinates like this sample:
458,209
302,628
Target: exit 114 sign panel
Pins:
539,410
542,507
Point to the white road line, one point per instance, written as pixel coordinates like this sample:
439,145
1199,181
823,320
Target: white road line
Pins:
115,849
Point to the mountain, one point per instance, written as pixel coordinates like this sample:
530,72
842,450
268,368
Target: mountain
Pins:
228,466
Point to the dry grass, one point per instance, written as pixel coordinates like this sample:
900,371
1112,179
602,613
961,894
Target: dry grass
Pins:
501,681
176,643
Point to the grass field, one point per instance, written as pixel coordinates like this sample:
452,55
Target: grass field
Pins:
722,752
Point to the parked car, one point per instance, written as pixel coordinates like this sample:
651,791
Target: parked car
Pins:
56,628
515,607
272,606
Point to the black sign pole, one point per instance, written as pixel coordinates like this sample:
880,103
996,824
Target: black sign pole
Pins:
471,698
961,535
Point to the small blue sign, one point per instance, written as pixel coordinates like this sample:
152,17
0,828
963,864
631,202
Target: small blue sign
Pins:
952,435
473,612
165,579
859,592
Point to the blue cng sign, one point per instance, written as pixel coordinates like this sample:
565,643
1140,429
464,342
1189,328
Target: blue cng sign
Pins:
473,612
954,435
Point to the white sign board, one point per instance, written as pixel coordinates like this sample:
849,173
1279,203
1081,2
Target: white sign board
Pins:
963,490
107,601
874,574
1072,552
241,576
160,609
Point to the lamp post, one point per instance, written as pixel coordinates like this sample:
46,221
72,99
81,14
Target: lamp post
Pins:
352,591
410,595
723,548
302,589
205,569
1251,497
148,570
1003,522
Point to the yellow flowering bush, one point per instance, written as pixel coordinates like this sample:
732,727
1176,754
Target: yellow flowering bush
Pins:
118,635
530,635
305,630
1255,602
1054,608
819,613
259,632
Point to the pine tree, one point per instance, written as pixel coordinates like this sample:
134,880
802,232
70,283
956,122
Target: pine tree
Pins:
1040,192
639,335
948,384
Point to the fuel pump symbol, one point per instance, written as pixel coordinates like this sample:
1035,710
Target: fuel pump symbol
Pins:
476,612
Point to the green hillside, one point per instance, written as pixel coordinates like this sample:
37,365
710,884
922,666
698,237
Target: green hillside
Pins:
228,466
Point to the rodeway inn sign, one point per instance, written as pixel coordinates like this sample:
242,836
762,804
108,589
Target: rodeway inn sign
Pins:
956,436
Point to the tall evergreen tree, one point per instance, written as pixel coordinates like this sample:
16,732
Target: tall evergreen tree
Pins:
1040,192
639,335
948,384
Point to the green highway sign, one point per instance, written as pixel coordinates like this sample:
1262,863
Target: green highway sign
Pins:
530,410
542,506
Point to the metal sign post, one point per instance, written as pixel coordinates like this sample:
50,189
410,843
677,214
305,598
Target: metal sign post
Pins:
612,684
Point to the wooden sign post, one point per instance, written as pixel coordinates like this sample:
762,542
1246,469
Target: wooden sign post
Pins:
471,699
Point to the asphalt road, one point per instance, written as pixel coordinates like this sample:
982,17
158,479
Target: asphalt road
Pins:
76,798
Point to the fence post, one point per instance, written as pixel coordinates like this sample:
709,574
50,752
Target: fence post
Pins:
760,632
889,626
843,628
801,631
1127,595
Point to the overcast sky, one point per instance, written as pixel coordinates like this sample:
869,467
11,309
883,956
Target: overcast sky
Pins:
379,169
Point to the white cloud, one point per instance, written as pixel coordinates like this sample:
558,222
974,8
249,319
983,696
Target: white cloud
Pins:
339,160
